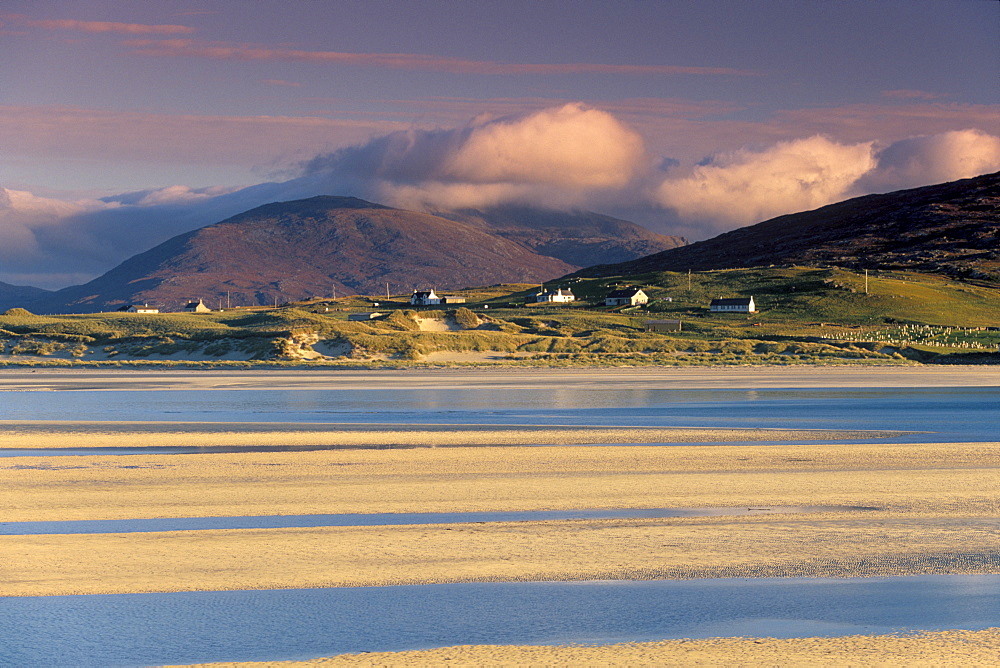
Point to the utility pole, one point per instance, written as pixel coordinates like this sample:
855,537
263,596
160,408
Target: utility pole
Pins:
228,304
689,280
866,281
387,292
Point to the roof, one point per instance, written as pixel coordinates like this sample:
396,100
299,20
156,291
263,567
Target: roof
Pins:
423,293
558,291
624,293
732,301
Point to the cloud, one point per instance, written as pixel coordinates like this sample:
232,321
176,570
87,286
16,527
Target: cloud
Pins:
743,187
173,195
562,155
189,48
26,218
920,161
110,26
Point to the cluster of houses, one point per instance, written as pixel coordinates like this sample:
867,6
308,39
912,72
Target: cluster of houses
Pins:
628,296
190,307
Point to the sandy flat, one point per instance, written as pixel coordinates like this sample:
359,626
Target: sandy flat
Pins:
936,509
941,648
52,434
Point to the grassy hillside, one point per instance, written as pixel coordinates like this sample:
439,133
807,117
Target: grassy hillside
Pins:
806,315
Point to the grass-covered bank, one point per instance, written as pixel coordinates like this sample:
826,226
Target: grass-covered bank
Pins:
806,316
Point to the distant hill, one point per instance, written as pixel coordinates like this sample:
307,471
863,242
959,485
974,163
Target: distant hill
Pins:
582,238
12,296
295,250
951,228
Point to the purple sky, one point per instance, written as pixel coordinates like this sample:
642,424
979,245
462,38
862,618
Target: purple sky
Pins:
691,117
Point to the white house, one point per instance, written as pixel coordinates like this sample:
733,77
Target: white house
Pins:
559,295
197,307
626,297
733,305
135,308
424,298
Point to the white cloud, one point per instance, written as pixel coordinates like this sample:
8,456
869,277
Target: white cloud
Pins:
23,214
921,161
744,187
557,156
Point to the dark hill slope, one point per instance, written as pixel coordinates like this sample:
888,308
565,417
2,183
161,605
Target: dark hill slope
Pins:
582,238
294,250
951,228
12,296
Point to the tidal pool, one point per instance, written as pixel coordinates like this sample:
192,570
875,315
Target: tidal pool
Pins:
954,414
193,627
381,519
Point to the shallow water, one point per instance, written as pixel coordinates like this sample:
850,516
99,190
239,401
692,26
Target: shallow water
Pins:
952,414
383,519
189,627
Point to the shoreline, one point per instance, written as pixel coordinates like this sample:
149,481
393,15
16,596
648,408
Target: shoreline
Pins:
693,378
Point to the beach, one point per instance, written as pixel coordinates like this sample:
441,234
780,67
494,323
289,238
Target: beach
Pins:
861,504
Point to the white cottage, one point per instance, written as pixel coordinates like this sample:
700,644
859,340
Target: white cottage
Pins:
424,298
559,295
733,305
626,297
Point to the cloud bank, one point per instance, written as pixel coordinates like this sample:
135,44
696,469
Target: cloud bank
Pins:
569,156
564,156
744,187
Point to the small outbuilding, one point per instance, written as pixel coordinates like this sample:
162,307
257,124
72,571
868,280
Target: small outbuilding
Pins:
135,308
663,325
451,299
197,307
626,297
733,305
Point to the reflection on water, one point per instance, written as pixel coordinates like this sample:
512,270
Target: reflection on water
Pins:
384,519
192,627
959,414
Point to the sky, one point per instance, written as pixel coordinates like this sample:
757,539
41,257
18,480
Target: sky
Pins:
125,123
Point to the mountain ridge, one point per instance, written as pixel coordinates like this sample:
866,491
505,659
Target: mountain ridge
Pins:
951,228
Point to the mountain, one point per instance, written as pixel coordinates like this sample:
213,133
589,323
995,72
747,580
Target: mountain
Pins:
12,296
582,238
313,247
951,228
